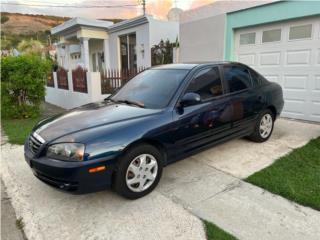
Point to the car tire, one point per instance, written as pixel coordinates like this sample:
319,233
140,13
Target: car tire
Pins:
264,127
139,171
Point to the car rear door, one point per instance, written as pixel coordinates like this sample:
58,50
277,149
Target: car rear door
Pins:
245,98
207,121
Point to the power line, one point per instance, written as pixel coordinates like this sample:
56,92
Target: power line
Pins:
70,6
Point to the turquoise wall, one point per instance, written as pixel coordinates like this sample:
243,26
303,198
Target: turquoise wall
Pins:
265,14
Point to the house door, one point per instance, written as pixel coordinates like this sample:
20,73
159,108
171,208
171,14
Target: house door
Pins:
128,52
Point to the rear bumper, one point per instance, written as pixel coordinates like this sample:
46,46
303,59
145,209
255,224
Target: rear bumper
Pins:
73,177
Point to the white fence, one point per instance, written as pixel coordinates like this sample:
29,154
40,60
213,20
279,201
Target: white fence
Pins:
70,99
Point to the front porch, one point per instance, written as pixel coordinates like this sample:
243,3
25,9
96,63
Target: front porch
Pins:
78,49
84,73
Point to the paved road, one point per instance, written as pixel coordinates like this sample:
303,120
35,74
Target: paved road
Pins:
208,185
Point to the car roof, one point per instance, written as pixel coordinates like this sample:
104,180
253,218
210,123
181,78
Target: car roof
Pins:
191,65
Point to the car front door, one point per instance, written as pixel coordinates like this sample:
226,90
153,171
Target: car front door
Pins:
244,99
204,122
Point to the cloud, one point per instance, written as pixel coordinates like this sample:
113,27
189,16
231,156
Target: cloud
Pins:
74,12
158,8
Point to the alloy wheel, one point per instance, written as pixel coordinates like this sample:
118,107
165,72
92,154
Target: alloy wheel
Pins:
266,124
141,173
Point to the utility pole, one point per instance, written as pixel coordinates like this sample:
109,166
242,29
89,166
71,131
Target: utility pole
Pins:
143,2
175,4
49,38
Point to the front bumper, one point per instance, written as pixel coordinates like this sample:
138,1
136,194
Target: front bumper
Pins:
71,176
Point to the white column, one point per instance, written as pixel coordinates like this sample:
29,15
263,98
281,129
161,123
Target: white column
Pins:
55,79
67,57
60,54
106,53
85,53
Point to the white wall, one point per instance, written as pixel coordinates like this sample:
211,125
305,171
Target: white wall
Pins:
142,37
202,30
202,40
69,99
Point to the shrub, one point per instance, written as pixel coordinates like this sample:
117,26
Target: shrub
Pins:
4,19
23,85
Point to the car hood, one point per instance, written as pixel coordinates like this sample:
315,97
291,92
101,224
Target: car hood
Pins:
89,116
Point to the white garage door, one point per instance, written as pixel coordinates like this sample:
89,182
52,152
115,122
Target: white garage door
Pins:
287,53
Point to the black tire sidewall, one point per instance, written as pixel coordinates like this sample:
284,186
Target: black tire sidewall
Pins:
124,162
256,136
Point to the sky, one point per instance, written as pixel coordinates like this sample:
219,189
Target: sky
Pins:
158,8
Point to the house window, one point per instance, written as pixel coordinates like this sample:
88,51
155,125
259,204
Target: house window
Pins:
75,56
273,35
247,38
128,54
300,32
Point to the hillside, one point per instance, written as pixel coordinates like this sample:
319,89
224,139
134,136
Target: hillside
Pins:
26,24
16,27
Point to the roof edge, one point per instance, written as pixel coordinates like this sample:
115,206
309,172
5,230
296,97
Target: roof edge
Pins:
81,22
130,23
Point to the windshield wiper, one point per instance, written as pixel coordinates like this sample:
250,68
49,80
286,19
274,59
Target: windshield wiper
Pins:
131,102
109,99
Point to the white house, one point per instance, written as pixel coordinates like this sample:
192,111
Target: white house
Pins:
97,46
280,39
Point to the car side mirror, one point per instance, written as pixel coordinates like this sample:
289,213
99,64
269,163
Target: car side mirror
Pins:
190,99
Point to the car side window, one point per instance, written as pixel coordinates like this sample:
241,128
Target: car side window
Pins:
237,77
207,83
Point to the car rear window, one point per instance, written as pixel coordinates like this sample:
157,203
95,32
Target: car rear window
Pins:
237,78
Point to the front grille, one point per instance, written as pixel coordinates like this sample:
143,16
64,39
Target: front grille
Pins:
35,142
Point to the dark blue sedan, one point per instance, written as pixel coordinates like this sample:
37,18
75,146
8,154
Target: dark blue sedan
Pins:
162,115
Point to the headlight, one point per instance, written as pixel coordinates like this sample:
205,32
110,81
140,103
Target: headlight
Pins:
66,151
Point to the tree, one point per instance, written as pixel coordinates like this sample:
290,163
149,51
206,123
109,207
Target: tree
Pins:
162,53
31,47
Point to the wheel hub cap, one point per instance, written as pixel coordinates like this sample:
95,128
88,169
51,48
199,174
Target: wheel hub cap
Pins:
265,125
141,172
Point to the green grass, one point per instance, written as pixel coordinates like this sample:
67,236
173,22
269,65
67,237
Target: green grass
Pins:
216,233
295,176
18,129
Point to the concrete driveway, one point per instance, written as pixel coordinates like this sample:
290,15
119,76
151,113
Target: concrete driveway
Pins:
207,185
241,158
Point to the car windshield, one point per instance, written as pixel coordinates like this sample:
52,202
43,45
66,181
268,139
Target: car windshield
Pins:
152,88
